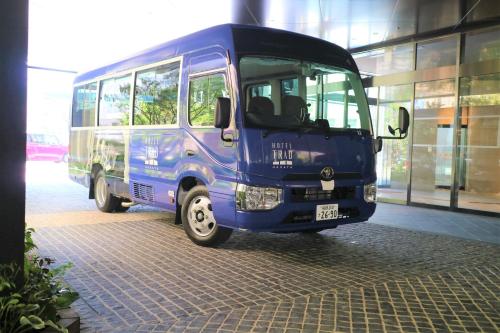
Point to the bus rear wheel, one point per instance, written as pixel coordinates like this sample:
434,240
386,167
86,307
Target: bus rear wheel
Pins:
104,200
198,219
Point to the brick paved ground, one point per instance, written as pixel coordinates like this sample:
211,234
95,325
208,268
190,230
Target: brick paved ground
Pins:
147,276
137,272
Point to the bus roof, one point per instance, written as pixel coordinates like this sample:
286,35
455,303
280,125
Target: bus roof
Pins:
241,39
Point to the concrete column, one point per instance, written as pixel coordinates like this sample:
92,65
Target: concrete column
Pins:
13,56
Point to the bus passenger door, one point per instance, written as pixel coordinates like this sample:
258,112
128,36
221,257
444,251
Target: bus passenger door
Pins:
205,151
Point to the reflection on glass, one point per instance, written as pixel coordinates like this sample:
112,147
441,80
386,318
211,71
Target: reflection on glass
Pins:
114,101
156,91
437,53
83,113
434,111
389,60
482,46
479,143
482,9
392,161
433,14
203,94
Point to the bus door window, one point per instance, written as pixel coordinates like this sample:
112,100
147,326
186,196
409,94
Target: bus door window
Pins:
203,93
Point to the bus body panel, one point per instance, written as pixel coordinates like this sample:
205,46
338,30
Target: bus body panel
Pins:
155,157
80,149
285,154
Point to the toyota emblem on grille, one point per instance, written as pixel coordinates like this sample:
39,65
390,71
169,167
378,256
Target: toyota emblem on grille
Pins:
326,174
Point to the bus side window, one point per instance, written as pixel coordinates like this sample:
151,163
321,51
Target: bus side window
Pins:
156,91
114,103
83,113
203,93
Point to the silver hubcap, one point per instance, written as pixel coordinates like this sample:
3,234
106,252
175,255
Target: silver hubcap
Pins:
200,216
101,191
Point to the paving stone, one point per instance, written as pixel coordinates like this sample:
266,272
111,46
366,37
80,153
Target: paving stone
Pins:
147,276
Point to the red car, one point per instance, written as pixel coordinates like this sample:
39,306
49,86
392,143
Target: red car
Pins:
45,147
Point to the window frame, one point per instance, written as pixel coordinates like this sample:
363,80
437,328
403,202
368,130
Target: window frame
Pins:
223,72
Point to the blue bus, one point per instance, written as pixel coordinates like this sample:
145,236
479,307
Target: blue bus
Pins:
232,127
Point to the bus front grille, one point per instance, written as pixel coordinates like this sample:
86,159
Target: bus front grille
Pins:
302,194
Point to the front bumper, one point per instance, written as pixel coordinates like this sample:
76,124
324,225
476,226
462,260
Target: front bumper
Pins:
296,214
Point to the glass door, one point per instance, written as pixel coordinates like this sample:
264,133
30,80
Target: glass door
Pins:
434,110
392,161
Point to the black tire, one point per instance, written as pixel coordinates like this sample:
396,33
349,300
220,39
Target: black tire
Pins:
203,229
104,200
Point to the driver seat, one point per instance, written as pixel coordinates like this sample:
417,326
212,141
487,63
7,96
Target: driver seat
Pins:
294,107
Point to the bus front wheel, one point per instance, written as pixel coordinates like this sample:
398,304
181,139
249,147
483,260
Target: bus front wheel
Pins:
198,219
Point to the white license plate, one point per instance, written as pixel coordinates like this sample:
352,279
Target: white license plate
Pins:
327,212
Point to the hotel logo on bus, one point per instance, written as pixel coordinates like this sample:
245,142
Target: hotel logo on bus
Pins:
282,155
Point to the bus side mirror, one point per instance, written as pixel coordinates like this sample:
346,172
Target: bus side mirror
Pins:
222,115
222,112
404,123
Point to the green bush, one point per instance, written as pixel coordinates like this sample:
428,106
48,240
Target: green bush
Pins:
34,305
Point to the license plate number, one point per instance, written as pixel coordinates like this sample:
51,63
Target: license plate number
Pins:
327,212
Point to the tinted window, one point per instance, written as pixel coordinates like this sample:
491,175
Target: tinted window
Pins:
114,101
84,105
203,93
156,95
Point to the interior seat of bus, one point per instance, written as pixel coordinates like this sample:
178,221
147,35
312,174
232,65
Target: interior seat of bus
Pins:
260,110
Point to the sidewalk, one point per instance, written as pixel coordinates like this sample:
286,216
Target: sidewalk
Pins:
468,226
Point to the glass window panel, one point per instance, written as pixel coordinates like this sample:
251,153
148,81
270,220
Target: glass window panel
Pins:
434,111
392,161
482,9
437,53
114,102
84,105
340,106
290,87
393,94
434,14
479,143
156,92
203,93
482,46
389,60
331,93
263,90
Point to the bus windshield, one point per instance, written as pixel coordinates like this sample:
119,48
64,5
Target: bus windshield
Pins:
286,93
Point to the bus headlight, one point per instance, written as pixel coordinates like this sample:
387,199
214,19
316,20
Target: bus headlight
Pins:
257,198
371,192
